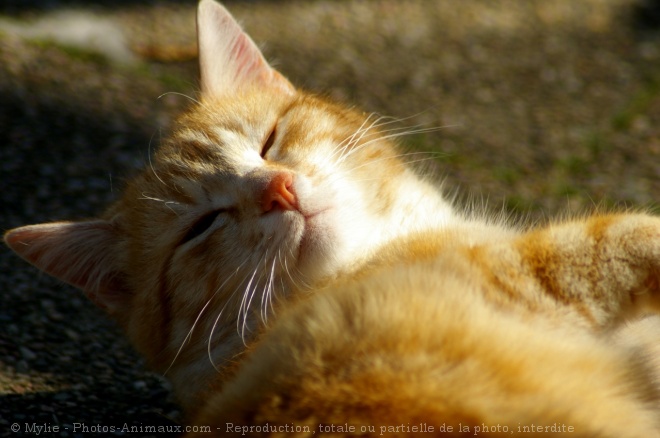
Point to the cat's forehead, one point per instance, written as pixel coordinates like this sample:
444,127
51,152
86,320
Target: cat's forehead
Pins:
228,134
220,141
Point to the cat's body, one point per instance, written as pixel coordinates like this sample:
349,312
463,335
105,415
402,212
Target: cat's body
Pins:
282,264
405,345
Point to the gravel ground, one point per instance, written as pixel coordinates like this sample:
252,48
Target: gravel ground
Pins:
548,107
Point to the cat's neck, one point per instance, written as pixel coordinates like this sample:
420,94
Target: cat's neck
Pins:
418,207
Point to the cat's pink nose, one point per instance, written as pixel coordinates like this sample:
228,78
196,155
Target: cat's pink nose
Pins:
279,193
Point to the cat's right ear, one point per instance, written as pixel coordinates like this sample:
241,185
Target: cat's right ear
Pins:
228,58
83,254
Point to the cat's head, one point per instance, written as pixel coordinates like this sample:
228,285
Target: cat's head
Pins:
262,190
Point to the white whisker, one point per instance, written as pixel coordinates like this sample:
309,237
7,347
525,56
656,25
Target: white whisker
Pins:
245,304
341,147
180,94
217,319
394,133
209,344
357,140
267,295
199,315
151,164
166,203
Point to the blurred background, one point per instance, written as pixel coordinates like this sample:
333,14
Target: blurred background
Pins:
547,108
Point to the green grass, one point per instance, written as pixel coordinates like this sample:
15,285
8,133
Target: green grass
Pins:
639,104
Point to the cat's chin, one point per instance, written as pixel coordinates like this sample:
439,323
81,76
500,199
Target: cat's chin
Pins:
315,249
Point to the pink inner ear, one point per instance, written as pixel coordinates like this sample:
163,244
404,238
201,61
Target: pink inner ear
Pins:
43,245
248,62
245,63
251,64
82,254
20,239
229,59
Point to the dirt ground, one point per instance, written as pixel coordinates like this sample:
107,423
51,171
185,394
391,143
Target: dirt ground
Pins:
545,108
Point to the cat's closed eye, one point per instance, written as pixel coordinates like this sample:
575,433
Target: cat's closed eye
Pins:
202,224
268,143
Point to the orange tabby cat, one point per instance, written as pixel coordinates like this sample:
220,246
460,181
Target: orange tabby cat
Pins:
292,275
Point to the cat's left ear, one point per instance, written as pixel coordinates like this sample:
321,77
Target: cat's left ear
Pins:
228,58
84,254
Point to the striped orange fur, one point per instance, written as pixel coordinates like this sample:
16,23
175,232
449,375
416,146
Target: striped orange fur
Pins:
290,273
